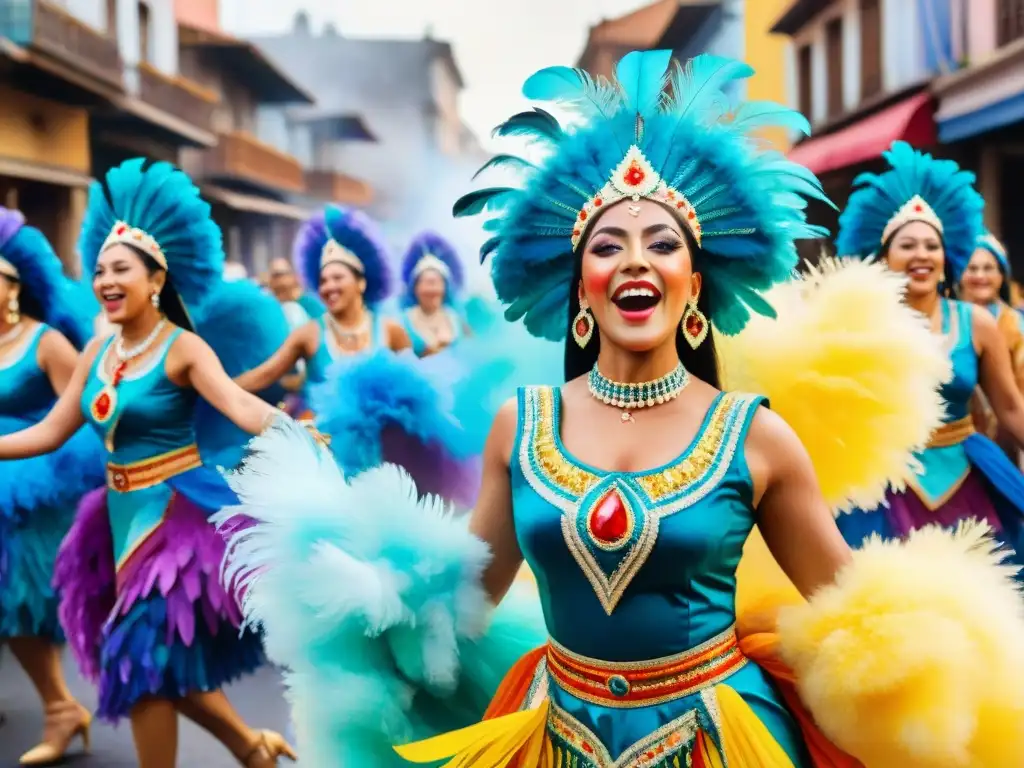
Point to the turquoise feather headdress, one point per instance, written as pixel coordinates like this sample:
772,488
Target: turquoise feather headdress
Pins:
990,243
157,209
670,135
917,187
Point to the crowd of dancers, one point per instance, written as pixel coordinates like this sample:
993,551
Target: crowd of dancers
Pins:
771,518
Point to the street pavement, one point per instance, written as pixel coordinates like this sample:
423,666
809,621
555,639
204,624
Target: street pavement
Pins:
258,698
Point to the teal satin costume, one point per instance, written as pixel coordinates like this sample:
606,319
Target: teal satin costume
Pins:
659,582
25,390
419,343
327,353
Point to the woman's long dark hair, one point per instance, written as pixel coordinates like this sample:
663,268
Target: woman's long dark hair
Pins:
701,362
170,302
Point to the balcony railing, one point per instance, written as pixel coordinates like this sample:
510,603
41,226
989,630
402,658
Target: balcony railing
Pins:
335,187
240,156
178,96
44,27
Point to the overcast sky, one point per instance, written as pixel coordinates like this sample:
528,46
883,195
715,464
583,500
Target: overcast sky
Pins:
498,43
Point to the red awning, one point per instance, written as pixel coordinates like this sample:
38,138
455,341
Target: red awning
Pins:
912,120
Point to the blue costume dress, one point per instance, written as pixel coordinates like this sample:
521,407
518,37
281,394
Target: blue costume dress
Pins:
37,496
637,577
965,475
419,343
150,617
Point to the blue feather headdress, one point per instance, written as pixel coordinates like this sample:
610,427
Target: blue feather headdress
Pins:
347,236
158,209
990,243
670,135
917,187
429,250
27,256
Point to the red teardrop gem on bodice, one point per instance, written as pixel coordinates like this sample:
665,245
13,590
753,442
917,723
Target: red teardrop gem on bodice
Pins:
102,405
609,520
694,325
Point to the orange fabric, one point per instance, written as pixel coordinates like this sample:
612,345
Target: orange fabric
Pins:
762,648
514,688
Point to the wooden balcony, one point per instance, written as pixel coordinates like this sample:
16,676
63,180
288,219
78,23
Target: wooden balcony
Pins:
178,96
334,187
45,28
240,157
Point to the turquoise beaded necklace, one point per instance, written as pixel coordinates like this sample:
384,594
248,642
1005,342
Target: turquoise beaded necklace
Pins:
645,394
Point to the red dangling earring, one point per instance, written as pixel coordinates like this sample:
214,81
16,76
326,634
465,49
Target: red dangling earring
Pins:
694,324
583,325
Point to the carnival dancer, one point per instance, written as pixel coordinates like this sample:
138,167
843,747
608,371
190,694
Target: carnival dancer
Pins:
987,283
341,253
42,327
645,225
141,601
923,217
433,279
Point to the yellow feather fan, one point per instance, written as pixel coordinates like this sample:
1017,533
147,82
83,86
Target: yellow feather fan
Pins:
852,369
913,658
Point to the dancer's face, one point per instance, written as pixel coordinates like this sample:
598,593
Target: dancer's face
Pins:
430,290
282,280
124,285
340,286
8,290
637,275
916,250
982,279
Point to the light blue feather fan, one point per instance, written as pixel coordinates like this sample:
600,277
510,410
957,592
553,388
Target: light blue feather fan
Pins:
673,125
917,187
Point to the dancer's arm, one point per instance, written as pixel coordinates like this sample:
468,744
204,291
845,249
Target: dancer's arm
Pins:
63,420
492,518
996,374
191,362
301,344
794,519
398,339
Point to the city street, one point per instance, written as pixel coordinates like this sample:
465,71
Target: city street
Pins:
258,698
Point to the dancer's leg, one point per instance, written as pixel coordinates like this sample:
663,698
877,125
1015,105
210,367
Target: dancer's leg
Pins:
155,731
40,658
215,714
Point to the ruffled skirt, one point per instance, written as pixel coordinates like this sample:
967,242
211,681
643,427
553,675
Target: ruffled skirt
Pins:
163,625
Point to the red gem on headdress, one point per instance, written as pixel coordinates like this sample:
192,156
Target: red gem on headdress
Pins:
575,233
694,325
121,229
586,747
598,202
102,405
609,521
692,214
583,215
680,205
635,175
918,208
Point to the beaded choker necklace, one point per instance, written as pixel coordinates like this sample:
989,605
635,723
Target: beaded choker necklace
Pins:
644,394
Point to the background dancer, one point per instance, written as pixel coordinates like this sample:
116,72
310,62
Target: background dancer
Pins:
433,280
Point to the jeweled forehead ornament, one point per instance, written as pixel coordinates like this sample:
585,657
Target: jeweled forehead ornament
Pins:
915,209
125,234
335,252
635,179
430,261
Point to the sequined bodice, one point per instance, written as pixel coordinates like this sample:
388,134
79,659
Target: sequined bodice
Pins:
150,414
327,352
633,565
25,390
419,342
957,328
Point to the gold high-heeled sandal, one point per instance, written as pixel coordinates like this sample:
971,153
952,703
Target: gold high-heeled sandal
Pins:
268,747
65,721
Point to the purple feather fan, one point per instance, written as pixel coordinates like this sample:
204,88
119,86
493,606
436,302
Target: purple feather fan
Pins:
353,230
431,244
10,222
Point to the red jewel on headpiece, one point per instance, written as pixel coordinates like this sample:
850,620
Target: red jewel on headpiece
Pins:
575,233
598,202
583,215
918,208
121,229
692,214
634,175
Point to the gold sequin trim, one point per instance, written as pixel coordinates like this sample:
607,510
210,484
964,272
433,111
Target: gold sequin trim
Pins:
671,738
952,434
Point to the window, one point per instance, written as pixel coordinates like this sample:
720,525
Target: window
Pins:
834,66
870,48
144,32
1010,20
803,77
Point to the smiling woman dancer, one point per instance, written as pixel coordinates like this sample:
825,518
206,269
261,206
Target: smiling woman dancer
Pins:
630,491
433,279
342,253
156,631
41,327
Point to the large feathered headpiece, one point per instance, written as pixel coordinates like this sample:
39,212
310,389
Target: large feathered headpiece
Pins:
46,293
917,187
349,237
157,209
990,243
429,251
667,135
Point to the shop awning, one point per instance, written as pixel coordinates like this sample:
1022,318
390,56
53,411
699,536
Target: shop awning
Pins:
911,120
984,97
